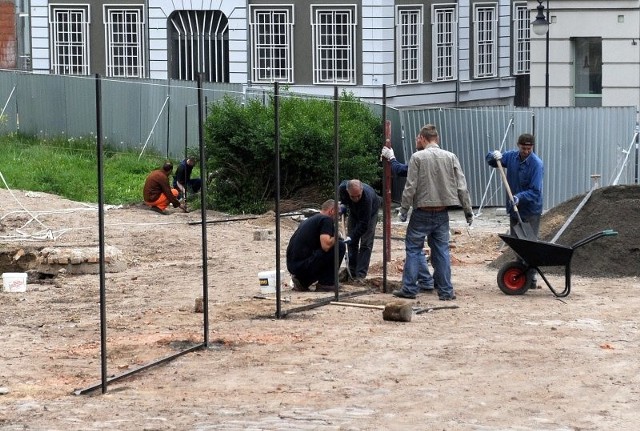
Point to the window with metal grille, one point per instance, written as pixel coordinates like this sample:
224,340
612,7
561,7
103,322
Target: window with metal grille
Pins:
199,44
485,41
69,35
334,37
272,44
521,39
444,29
409,34
124,40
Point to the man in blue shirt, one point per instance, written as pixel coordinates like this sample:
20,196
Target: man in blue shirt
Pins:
524,175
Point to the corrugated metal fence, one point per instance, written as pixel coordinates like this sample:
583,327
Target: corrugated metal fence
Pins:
155,115
574,143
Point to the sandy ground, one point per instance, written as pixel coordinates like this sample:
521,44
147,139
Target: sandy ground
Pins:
529,362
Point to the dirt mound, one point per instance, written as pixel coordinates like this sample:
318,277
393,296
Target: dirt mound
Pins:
614,207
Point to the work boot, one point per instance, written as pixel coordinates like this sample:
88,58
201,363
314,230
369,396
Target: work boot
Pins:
297,286
325,287
158,210
401,293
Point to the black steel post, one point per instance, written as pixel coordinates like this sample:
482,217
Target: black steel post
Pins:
336,184
546,75
276,115
186,129
386,209
103,307
203,214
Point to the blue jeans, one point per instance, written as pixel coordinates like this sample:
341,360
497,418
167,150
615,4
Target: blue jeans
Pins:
434,226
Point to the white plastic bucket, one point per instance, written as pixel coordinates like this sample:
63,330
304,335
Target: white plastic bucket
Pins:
14,281
268,281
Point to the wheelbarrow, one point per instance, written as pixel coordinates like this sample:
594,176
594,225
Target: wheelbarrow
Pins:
516,277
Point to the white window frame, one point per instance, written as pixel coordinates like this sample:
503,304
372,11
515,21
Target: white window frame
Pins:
334,54
521,39
485,40
409,44
72,44
131,50
444,34
272,60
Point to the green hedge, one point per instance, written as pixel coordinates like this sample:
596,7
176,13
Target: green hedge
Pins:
240,146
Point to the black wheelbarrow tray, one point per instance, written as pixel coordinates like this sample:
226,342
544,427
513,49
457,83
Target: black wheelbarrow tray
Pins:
516,277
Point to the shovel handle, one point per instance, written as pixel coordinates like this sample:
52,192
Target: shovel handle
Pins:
506,186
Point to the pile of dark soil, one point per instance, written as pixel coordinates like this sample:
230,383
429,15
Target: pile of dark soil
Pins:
614,207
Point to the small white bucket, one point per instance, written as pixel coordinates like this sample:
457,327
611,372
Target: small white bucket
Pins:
268,281
14,281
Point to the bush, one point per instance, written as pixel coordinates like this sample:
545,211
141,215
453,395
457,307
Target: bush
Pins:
240,143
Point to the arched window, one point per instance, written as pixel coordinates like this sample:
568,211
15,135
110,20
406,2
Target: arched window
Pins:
199,43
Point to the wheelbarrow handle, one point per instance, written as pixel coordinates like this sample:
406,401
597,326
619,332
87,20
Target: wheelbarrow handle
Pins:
608,232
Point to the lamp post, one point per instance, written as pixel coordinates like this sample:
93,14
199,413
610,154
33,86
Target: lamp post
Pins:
541,26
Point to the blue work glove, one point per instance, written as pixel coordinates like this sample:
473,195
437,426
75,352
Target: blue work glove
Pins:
402,214
515,200
342,209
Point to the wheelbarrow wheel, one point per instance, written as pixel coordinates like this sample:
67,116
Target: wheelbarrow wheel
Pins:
514,278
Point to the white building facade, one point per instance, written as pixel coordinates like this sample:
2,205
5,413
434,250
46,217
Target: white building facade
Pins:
593,55
434,52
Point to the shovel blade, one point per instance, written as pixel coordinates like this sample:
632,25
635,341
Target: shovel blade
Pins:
524,231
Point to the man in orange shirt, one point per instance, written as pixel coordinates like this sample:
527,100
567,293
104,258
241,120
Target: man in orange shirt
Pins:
157,193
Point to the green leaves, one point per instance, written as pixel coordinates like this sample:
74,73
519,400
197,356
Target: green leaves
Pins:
240,142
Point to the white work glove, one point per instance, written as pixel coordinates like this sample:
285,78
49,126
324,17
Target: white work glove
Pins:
515,200
402,214
347,240
387,153
497,155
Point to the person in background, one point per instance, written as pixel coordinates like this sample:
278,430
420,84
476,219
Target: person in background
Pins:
361,203
310,253
400,169
157,193
435,182
525,171
182,180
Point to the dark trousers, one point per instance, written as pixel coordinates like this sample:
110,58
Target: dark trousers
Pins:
534,222
317,267
193,186
360,251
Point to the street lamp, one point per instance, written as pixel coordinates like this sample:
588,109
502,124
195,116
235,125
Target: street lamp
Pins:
541,26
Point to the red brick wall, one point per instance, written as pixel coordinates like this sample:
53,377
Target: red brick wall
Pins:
7,34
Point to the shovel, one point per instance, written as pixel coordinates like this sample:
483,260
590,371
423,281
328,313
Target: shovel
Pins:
346,255
521,229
